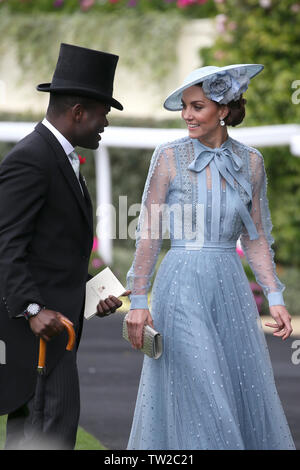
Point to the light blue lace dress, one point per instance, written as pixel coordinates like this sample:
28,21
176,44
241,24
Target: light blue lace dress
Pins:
213,387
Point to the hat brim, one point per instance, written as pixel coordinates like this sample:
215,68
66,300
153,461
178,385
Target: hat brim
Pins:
89,93
173,101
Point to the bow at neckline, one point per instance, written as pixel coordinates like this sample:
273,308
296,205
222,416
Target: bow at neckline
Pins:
227,163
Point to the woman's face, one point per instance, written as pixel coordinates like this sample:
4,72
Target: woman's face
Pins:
201,115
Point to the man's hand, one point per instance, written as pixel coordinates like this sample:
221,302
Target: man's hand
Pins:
47,324
110,305
283,321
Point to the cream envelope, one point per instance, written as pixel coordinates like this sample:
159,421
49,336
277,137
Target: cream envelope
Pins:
99,288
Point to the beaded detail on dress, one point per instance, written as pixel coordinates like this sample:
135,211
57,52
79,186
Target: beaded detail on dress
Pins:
173,192
213,387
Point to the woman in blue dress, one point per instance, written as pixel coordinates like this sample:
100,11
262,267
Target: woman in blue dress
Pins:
213,387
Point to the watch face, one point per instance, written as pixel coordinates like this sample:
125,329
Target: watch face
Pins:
33,309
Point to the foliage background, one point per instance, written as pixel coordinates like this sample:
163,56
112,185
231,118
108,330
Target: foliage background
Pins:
188,8
36,38
268,32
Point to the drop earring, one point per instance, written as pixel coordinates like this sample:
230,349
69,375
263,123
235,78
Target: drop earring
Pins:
222,122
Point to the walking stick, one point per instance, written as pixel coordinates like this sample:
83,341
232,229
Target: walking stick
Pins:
43,345
39,400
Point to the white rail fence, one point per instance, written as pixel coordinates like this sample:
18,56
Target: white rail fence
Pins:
130,137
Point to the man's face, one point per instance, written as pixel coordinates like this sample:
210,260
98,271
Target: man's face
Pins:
92,123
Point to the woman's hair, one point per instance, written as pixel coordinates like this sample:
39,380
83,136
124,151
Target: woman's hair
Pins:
237,111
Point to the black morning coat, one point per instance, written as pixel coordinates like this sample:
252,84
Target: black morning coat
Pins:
46,236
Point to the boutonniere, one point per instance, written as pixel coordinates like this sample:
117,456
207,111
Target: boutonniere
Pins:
81,159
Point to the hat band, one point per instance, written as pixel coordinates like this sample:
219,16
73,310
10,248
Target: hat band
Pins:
220,84
61,82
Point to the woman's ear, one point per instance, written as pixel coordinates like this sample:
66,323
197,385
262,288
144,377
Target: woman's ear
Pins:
223,111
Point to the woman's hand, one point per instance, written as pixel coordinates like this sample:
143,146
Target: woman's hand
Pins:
283,321
136,321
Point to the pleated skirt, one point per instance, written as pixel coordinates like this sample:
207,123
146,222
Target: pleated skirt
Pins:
213,388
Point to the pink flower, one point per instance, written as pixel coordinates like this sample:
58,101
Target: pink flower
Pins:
184,3
255,287
97,263
58,3
219,55
259,302
240,252
295,8
257,290
95,244
221,23
86,4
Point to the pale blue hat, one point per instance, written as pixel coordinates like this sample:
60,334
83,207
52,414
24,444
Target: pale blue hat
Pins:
220,84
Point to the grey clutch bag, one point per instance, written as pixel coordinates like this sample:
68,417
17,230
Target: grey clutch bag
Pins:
152,341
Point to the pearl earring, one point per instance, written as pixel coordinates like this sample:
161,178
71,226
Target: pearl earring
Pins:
222,122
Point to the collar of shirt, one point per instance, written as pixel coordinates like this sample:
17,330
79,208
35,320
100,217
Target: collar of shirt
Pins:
68,148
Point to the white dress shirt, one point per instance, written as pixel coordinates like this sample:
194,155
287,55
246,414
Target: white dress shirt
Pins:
66,145
68,148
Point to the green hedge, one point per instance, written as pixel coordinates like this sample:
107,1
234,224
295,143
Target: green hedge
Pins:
191,8
264,32
268,33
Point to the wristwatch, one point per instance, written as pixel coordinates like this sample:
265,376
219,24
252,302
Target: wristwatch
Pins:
32,310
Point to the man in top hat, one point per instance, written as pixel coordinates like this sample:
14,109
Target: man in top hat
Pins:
46,236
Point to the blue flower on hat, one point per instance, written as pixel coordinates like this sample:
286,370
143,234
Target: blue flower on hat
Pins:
226,86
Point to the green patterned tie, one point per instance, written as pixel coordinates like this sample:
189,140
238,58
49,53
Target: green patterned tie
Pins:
74,160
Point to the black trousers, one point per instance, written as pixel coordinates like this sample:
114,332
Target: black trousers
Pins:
61,412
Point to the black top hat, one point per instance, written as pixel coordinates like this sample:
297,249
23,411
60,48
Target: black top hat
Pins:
84,72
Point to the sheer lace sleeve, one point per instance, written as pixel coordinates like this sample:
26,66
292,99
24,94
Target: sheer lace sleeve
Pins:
149,229
259,253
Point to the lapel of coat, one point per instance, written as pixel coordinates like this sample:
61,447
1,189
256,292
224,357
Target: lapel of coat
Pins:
69,174
88,201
